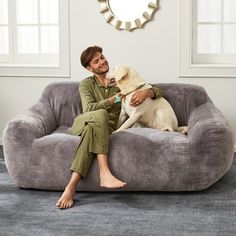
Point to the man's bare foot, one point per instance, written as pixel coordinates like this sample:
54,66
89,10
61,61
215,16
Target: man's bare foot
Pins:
107,180
66,200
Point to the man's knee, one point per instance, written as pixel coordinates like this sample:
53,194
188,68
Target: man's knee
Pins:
102,116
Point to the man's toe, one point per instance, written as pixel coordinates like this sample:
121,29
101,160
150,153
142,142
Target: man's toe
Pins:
58,203
62,205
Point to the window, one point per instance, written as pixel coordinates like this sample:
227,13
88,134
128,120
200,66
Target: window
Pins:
34,38
208,36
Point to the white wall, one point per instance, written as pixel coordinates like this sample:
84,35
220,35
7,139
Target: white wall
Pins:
152,50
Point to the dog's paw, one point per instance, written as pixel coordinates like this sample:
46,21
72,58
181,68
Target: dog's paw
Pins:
184,130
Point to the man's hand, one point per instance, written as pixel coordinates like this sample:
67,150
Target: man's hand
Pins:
111,82
140,96
112,99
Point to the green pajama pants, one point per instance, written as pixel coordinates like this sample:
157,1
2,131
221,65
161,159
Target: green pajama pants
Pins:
93,127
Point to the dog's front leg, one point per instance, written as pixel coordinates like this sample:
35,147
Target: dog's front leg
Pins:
129,122
123,117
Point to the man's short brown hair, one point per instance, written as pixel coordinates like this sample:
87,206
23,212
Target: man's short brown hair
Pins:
87,55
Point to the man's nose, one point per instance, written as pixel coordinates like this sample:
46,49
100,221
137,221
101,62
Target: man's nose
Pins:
103,61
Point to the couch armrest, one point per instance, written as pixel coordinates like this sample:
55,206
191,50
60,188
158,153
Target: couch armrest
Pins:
35,122
19,135
210,136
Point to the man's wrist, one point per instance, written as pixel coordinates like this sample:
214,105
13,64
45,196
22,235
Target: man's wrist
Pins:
117,99
152,93
114,99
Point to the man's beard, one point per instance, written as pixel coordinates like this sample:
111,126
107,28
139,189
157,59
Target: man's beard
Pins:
98,72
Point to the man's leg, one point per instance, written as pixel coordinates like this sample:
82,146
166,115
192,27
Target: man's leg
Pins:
66,200
106,178
94,139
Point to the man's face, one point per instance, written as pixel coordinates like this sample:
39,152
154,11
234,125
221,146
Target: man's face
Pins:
98,64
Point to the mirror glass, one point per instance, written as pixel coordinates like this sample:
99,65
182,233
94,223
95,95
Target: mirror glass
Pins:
128,10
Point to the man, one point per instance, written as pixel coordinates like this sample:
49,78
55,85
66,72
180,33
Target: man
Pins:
101,102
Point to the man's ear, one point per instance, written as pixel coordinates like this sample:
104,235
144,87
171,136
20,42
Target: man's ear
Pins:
89,68
121,72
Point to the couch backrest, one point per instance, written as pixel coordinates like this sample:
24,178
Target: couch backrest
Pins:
184,98
64,99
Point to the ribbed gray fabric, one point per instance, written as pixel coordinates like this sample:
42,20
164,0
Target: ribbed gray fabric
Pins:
1,151
207,213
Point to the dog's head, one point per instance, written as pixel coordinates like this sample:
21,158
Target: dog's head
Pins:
127,78
118,73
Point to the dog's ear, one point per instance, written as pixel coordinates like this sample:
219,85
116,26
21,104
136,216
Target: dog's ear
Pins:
121,71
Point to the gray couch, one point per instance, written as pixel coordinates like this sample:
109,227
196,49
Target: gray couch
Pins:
39,150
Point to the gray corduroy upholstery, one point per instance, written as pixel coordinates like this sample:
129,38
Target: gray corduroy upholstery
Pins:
39,150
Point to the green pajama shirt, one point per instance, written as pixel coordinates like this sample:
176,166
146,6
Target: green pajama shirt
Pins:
99,119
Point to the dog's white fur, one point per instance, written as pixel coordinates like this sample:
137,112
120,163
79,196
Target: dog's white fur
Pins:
153,113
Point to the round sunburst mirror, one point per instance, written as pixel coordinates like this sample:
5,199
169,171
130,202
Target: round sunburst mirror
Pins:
128,14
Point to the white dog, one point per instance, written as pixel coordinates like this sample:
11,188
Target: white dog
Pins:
153,113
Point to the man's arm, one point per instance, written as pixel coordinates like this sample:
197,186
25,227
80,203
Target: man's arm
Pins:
158,92
140,96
